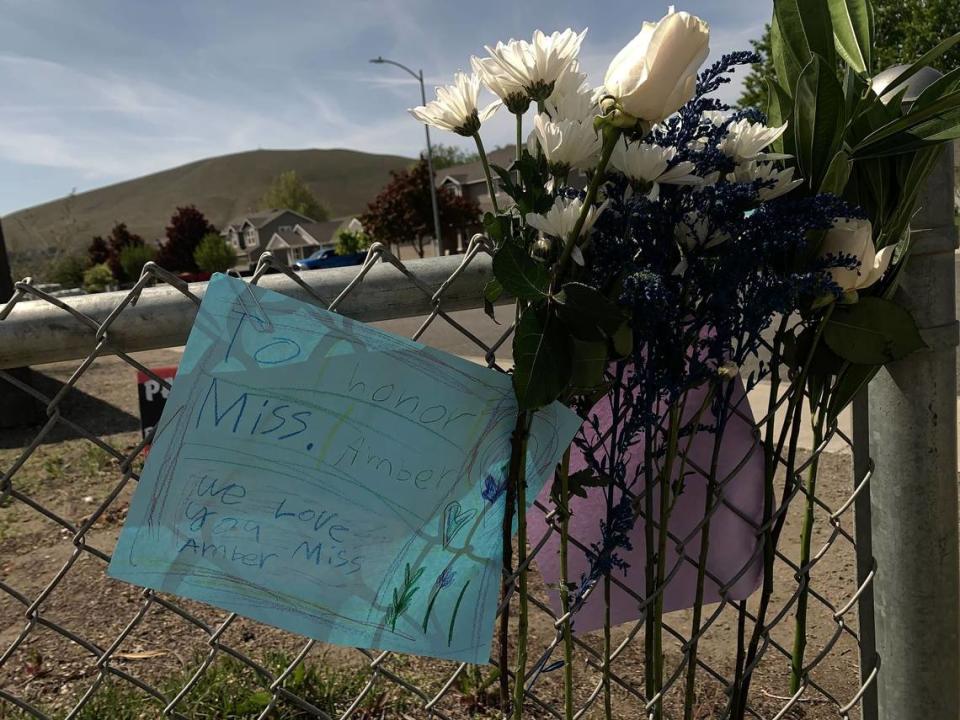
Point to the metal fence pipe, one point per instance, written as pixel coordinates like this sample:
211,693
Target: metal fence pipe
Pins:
913,426
37,332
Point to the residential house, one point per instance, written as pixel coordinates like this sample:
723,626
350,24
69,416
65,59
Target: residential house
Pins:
249,234
470,181
304,239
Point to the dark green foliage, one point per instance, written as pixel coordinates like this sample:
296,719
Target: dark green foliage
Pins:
902,32
68,270
403,211
214,254
289,192
97,278
445,156
187,228
350,242
133,258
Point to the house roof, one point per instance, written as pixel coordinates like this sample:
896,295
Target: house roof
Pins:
262,217
472,172
322,233
289,239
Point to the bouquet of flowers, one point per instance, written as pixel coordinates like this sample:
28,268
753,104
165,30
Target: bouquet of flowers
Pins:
656,241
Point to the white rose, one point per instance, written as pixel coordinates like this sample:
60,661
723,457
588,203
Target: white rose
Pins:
656,73
855,237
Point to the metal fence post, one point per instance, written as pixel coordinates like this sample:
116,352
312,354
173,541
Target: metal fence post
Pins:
913,440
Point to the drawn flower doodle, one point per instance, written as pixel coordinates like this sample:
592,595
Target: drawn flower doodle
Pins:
493,488
444,580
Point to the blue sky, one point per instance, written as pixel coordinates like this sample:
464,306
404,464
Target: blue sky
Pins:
100,91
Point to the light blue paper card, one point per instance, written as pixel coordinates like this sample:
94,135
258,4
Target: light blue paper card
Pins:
331,479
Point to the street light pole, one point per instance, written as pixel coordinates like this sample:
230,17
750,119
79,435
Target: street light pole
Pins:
433,180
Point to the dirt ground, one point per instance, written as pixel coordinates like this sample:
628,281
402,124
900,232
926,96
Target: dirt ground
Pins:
70,477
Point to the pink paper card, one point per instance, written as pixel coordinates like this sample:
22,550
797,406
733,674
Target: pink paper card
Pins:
734,560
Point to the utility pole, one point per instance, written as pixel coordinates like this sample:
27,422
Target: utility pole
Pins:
433,180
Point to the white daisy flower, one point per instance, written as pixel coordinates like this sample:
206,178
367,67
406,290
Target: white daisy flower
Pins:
565,144
536,66
501,84
559,220
695,231
647,165
752,170
572,98
746,141
455,108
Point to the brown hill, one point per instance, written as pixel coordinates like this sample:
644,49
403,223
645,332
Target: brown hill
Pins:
221,187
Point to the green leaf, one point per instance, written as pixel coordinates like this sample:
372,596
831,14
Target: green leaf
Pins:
497,226
621,342
838,172
491,293
589,363
780,111
819,120
541,356
588,313
519,274
576,482
945,108
801,29
874,331
853,378
853,30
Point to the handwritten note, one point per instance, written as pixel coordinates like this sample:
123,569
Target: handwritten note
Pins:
329,478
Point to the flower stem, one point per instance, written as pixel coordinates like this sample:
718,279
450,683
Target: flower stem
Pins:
772,454
520,670
663,518
708,509
610,136
611,471
566,628
800,629
518,452
519,148
486,172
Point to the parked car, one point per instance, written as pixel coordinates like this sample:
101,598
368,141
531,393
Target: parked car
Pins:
328,258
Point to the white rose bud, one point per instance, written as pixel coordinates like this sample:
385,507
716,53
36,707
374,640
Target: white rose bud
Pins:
855,237
656,73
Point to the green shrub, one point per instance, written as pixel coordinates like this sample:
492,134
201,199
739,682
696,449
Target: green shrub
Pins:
97,278
68,271
349,242
214,254
133,258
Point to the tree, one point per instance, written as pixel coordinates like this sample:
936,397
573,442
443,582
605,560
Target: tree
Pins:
289,192
99,251
902,32
187,228
445,156
214,254
351,241
906,30
133,258
754,92
68,270
119,238
98,278
402,212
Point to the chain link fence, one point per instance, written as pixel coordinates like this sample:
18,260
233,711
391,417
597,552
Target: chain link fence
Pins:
72,640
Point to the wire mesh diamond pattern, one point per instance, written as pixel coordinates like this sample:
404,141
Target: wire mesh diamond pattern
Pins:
165,650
